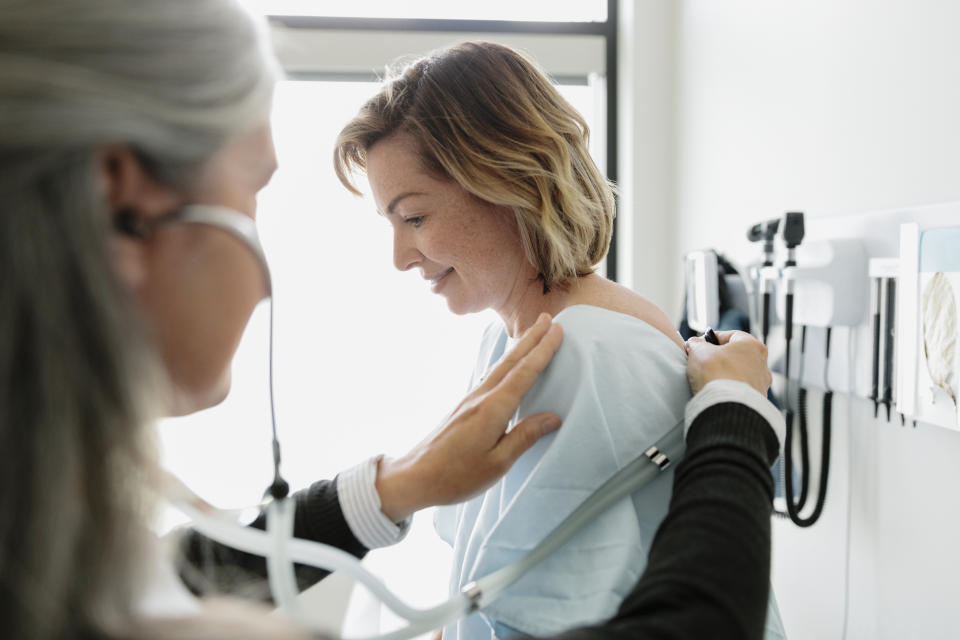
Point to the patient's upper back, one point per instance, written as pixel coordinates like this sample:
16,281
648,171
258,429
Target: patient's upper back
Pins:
599,292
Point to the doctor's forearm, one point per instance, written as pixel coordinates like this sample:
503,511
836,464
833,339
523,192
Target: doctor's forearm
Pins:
208,567
708,570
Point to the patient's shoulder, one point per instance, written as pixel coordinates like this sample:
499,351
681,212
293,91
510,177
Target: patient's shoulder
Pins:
599,292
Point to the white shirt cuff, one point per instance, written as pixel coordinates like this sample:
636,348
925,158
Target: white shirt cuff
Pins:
360,503
719,391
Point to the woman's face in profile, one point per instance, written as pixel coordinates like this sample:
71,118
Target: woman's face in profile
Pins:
466,249
200,283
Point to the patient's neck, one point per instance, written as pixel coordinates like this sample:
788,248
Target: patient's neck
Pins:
527,304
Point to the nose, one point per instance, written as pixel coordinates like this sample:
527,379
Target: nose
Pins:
405,255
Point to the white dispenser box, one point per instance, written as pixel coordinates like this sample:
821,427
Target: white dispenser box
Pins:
830,284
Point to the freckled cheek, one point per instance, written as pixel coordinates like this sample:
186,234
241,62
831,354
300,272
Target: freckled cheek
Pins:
471,260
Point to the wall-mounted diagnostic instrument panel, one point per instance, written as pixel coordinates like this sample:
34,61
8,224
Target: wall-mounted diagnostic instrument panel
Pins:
887,286
864,305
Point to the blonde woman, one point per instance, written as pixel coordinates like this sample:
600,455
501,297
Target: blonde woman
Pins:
483,171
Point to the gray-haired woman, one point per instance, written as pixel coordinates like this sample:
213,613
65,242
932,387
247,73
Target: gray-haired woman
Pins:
114,114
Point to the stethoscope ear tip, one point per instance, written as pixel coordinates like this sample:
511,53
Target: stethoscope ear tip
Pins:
128,223
278,490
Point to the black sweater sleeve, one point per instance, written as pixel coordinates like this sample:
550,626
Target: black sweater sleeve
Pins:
708,572
208,567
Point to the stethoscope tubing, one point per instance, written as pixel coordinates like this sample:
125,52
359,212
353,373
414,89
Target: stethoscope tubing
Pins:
628,480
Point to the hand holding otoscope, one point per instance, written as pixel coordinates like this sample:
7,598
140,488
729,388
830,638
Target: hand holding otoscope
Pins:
746,348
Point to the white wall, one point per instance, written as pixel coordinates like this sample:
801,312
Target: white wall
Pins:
827,106
831,107
646,152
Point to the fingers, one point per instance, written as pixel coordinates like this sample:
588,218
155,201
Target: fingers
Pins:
731,336
697,343
747,341
739,356
474,435
524,435
723,337
516,382
530,339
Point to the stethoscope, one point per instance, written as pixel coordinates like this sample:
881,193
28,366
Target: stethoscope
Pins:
281,549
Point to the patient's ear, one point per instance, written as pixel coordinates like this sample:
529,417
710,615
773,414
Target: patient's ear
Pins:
130,191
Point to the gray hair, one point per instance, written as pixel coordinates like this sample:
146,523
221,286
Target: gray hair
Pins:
173,80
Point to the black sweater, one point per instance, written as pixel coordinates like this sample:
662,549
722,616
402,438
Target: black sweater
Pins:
708,572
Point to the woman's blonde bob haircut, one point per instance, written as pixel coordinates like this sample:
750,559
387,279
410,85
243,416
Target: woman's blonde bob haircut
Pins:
489,119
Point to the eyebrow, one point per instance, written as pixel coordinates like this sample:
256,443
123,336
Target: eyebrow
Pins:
396,201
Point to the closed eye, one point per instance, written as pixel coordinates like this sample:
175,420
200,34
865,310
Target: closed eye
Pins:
416,221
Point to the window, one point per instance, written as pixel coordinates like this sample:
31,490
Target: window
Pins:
556,10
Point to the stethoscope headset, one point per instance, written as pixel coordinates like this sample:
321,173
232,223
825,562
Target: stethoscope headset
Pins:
281,549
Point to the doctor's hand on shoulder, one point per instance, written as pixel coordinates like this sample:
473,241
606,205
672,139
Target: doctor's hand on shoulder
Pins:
471,449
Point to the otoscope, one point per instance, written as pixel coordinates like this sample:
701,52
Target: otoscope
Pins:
792,235
765,231
792,231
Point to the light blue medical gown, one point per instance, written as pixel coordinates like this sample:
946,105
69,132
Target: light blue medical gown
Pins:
619,385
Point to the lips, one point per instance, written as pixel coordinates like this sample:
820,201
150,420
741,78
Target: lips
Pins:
440,276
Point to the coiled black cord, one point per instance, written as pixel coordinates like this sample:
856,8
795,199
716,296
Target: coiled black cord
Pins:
793,508
802,414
